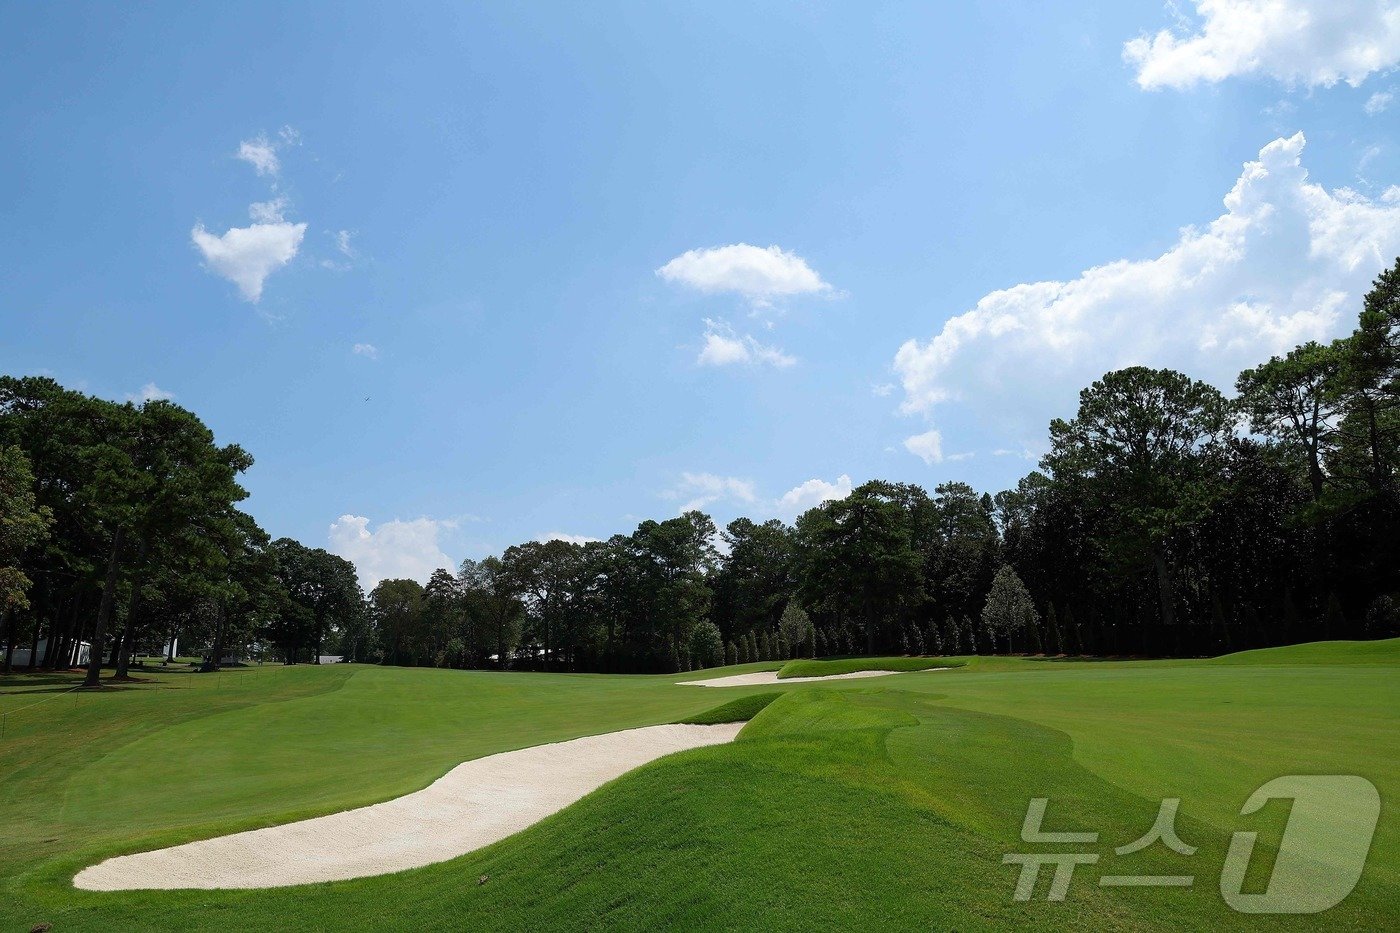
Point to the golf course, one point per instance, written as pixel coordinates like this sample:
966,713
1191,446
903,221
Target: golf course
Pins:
879,803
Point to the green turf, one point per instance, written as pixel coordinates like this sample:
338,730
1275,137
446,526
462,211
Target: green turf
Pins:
741,710
820,667
871,804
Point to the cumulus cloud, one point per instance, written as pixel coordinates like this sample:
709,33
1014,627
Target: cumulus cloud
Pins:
564,536
1298,42
724,347
1378,102
760,275
150,392
246,256
365,349
394,550
928,446
1286,262
261,154
699,490
812,493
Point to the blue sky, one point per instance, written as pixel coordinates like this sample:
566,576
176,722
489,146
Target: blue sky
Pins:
565,267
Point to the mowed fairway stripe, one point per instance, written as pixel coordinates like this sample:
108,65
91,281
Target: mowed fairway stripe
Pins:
475,804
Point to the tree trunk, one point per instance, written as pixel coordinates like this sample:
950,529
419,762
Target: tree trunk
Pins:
128,629
10,622
115,651
104,612
34,647
217,652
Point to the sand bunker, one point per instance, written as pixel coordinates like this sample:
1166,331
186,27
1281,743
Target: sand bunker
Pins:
771,677
475,804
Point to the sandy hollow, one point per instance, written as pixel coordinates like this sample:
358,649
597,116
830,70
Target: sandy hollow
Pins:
771,677
475,804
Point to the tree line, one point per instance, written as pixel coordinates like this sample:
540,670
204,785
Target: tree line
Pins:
1165,519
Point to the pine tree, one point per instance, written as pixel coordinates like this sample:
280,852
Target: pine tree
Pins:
743,649
673,660
1052,630
765,649
731,654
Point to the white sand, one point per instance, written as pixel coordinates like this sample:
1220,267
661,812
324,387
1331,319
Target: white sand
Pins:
475,804
771,677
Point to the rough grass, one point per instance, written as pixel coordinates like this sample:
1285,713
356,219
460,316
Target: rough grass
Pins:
825,668
867,804
740,710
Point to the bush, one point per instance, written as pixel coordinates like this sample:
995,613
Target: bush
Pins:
706,645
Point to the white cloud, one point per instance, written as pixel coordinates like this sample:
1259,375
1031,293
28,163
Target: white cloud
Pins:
261,154
702,489
1297,42
812,493
882,390
394,550
724,347
366,349
928,446
149,392
246,256
342,243
1378,102
1286,262
760,275
564,536
268,212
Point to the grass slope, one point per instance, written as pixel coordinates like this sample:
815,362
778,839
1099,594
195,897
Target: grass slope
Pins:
740,710
848,805
818,667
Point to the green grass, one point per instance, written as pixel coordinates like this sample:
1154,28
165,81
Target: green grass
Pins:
871,804
825,668
741,710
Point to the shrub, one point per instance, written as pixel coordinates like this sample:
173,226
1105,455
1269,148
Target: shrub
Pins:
706,645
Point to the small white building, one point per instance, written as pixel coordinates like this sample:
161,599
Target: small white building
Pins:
77,657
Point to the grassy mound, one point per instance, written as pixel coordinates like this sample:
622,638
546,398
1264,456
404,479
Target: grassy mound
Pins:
822,668
740,710
1383,651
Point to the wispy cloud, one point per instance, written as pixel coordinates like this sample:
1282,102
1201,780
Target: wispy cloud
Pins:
261,154
724,347
150,392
